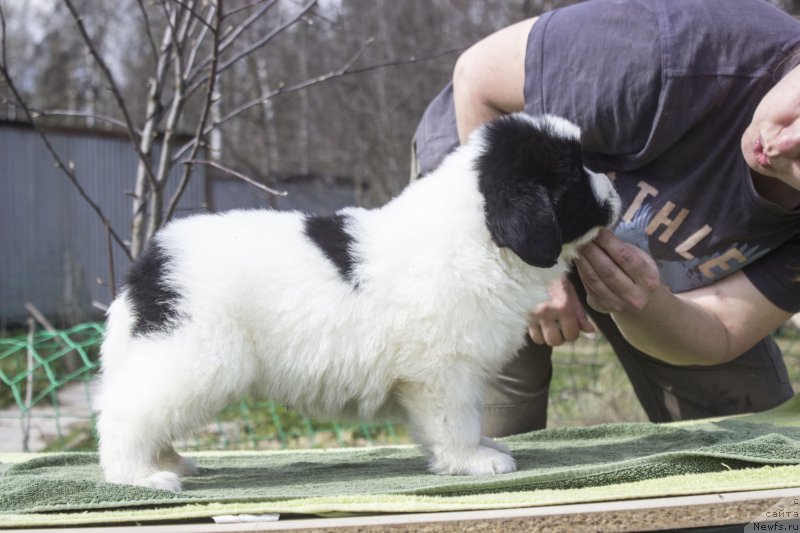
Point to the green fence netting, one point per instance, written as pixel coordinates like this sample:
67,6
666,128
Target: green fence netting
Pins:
34,368
46,386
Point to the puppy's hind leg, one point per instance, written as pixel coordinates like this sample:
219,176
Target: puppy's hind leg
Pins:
444,415
146,398
130,447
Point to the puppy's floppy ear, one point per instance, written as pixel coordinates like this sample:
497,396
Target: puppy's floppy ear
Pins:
527,224
520,161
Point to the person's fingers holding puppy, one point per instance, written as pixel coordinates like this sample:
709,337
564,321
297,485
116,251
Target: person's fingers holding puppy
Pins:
617,276
561,319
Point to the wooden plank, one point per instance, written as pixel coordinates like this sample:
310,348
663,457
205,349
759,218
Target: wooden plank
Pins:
630,515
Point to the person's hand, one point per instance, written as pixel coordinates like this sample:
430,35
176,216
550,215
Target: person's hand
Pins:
561,319
617,276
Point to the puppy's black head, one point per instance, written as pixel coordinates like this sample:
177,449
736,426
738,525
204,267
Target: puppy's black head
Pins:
538,196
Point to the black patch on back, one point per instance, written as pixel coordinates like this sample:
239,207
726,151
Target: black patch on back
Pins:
154,301
329,234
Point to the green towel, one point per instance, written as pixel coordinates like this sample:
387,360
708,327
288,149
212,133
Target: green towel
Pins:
597,460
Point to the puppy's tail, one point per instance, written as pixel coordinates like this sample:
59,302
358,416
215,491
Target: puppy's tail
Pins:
119,328
116,341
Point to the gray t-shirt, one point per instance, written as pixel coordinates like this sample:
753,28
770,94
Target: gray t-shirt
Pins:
662,91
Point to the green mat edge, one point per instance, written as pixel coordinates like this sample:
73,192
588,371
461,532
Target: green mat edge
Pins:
751,479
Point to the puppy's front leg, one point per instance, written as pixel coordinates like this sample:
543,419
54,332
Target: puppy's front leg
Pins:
444,416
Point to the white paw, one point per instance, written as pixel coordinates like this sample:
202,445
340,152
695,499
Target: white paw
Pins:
499,446
163,481
478,461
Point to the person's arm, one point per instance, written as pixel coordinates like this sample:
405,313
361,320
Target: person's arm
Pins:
489,77
705,326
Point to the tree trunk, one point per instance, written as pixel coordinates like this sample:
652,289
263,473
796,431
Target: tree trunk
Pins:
142,187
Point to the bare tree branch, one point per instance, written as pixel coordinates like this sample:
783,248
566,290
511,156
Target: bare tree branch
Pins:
201,124
181,25
196,82
112,277
239,175
404,61
170,127
284,89
345,70
233,35
179,22
44,113
238,10
197,16
198,42
193,21
281,90
148,30
268,37
171,17
145,182
85,114
3,37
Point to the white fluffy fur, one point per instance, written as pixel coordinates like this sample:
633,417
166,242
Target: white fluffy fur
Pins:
439,309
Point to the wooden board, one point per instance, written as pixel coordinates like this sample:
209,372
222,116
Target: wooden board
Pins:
630,515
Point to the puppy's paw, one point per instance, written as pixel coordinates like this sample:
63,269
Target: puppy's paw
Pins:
499,446
481,460
163,480
490,460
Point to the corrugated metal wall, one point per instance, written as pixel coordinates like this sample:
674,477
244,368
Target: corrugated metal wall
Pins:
52,245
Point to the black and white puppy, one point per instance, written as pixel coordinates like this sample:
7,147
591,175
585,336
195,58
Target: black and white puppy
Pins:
401,312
